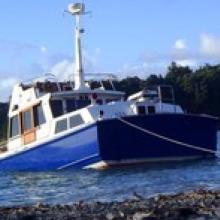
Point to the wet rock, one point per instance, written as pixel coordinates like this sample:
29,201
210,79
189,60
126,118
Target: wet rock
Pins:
186,212
39,205
143,216
138,196
197,205
197,218
217,212
114,216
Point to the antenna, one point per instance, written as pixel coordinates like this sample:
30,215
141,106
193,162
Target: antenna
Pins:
78,9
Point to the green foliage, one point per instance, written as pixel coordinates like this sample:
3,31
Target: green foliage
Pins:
130,85
197,91
3,120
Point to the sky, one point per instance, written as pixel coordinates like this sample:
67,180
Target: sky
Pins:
126,37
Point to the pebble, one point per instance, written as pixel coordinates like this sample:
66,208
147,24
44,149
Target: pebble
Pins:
197,205
143,216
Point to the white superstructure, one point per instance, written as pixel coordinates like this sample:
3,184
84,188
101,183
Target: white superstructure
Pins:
43,110
46,109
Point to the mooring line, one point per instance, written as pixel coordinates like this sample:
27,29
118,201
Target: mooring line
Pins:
77,161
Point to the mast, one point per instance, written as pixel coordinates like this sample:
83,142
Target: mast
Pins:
78,9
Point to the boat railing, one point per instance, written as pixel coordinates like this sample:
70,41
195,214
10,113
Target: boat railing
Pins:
100,78
166,93
50,81
44,77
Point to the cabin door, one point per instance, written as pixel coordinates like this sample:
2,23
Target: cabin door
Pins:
29,131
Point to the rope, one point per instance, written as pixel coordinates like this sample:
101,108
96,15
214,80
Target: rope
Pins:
166,138
77,161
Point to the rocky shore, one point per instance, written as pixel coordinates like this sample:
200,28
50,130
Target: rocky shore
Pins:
199,205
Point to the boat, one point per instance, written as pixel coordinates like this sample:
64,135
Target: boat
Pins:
63,125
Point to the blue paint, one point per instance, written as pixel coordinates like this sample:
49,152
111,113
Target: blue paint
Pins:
119,141
55,154
112,140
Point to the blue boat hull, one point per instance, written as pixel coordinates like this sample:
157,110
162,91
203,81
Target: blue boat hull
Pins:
113,142
122,142
73,150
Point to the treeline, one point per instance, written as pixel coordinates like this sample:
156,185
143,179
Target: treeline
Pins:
197,91
3,120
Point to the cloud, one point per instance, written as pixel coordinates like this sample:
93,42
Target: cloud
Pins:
187,62
208,51
183,55
180,44
180,51
8,82
17,49
43,49
142,68
91,60
63,69
156,63
6,87
28,61
210,45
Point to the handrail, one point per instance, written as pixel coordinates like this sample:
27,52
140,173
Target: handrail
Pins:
51,77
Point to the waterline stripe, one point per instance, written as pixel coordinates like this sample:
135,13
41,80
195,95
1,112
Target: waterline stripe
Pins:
77,161
105,164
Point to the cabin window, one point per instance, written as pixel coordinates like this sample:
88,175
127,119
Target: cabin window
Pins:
14,126
141,110
61,125
56,108
112,100
109,100
27,120
15,107
39,117
75,121
70,105
99,101
151,109
82,103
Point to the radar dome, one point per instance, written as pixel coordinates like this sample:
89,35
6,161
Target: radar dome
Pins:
76,8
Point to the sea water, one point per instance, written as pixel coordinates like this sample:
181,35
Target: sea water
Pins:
66,187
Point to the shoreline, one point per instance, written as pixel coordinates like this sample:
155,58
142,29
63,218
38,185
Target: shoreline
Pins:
200,204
